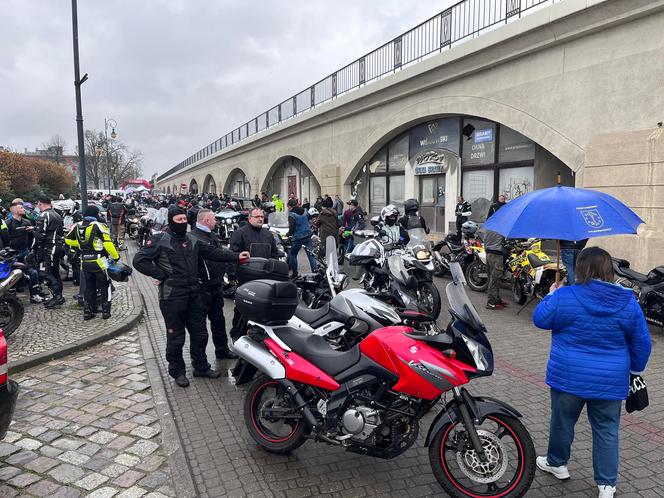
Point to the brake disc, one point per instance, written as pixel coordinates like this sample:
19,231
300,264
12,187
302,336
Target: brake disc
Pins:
496,459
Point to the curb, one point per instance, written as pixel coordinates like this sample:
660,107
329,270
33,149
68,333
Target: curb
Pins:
126,324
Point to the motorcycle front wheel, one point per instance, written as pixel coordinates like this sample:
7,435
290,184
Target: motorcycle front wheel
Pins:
518,292
271,417
477,276
508,470
429,297
11,315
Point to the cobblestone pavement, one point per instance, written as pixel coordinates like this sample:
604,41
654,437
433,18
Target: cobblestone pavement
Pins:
86,426
225,461
45,330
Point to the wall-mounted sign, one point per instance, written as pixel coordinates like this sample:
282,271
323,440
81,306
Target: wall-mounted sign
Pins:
438,134
431,162
484,135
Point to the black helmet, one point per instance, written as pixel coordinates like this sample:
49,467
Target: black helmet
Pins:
469,228
119,272
411,205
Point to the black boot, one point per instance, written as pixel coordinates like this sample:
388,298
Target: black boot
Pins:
106,311
56,301
88,313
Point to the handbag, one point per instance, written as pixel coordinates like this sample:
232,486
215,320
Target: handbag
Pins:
637,398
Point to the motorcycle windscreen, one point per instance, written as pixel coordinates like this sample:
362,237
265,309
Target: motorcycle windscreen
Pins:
417,237
331,256
459,300
278,219
397,269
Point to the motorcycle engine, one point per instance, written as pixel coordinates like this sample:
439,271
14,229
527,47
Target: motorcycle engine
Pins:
360,422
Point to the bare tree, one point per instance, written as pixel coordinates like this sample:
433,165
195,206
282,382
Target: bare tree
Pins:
95,168
55,146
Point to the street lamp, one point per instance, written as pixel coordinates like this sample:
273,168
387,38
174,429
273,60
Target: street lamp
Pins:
113,124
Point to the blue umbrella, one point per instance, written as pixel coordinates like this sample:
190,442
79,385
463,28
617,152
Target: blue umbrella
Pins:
563,213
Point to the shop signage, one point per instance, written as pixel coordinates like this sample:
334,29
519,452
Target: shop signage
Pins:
431,162
483,135
441,133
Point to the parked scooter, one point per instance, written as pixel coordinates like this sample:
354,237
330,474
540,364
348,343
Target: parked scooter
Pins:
649,289
371,398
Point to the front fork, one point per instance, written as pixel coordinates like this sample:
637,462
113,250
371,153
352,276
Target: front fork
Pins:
462,400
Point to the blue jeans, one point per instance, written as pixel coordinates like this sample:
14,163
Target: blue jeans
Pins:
604,418
568,257
295,249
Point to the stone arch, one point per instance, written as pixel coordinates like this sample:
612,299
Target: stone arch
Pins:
209,185
193,186
291,174
539,132
238,183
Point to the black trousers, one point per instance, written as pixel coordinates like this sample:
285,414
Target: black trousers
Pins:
213,301
96,281
180,314
51,257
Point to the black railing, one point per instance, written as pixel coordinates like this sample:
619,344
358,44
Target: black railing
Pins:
466,19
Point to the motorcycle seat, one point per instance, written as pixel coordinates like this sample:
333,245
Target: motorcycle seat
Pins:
536,262
316,350
634,275
311,316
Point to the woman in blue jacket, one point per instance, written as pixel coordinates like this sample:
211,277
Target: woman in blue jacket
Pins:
599,335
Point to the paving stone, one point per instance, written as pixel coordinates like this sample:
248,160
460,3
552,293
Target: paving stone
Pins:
105,492
7,449
154,480
43,488
146,432
121,442
49,436
36,431
133,492
50,451
92,481
151,463
23,480
66,473
11,436
128,479
66,444
28,444
21,458
66,492
42,464
73,457
7,491
102,437
7,472
114,470
89,449
143,448
128,460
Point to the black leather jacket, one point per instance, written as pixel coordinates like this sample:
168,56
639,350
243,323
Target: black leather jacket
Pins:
210,272
175,262
246,236
49,230
19,236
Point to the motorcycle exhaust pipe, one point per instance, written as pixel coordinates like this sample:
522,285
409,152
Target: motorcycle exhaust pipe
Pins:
254,353
10,281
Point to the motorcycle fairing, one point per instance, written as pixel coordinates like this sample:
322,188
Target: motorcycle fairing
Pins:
423,371
299,369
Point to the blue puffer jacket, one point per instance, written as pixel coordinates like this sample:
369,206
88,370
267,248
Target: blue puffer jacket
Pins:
599,335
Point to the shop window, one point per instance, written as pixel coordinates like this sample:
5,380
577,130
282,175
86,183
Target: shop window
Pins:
479,144
377,194
397,184
514,146
378,163
398,150
428,190
514,182
478,191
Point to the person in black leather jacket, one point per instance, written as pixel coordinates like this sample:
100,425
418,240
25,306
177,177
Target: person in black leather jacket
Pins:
211,274
411,218
21,239
49,248
172,259
254,238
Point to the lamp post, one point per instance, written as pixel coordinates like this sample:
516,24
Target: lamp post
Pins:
113,124
78,81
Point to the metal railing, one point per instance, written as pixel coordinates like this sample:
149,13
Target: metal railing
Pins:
465,19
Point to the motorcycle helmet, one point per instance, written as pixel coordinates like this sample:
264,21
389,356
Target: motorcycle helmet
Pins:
389,214
313,212
119,272
411,206
469,228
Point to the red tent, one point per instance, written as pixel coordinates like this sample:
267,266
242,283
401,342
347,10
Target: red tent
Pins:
136,182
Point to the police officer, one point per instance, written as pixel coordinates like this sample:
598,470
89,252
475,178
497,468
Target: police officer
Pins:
48,245
172,259
94,242
411,219
212,279
116,217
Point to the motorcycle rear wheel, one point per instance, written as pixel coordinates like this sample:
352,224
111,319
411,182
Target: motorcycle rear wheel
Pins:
275,435
11,315
477,276
519,292
509,471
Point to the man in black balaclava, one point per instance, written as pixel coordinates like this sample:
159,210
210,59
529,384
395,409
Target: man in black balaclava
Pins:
171,258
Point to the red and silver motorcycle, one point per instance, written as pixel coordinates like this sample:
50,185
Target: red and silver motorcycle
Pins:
371,398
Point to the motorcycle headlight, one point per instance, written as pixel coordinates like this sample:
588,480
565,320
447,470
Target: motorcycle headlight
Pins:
423,254
229,222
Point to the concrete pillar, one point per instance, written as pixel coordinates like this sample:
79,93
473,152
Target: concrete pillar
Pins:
630,166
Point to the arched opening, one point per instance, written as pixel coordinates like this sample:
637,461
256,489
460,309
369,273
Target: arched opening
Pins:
168,190
209,185
494,160
193,187
238,184
291,177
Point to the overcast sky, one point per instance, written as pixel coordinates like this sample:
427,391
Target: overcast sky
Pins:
176,74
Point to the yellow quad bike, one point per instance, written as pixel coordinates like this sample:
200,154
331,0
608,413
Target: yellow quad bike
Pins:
533,271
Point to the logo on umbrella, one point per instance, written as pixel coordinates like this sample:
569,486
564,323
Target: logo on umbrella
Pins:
592,218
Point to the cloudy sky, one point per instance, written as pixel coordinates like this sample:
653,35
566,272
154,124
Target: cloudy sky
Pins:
176,74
